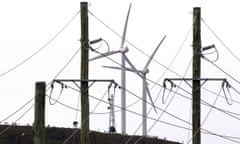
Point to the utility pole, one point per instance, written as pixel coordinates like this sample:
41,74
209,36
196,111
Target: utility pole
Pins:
84,74
39,114
196,77
196,74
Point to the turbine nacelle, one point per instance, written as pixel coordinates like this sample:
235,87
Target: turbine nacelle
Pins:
124,49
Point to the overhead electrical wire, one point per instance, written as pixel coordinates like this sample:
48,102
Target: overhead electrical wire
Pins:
230,138
224,97
175,57
120,86
139,49
206,117
29,101
167,123
39,50
21,116
61,70
212,92
25,113
142,52
152,80
30,57
129,42
229,113
96,113
205,103
209,105
165,109
232,53
222,70
105,93
120,107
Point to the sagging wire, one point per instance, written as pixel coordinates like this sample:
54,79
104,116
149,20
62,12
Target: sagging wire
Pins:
59,95
226,85
164,89
42,48
221,41
209,53
97,41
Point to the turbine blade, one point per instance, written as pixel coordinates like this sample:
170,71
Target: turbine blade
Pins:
154,52
104,55
112,67
150,97
133,67
119,68
125,27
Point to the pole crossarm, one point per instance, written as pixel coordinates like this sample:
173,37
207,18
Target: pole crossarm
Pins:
170,80
191,79
75,81
89,80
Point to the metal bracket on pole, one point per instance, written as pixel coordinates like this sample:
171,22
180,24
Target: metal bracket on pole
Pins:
224,80
75,81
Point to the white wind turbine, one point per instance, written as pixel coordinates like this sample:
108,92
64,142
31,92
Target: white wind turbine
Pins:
145,90
122,50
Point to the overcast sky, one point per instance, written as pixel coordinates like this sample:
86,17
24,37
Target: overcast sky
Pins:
27,26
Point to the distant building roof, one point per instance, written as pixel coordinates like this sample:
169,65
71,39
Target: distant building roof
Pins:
10,134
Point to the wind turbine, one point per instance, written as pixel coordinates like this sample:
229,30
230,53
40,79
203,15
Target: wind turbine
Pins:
122,50
145,90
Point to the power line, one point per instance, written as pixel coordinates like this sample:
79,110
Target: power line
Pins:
7,128
232,53
222,70
180,48
230,138
130,43
61,70
165,109
229,113
17,110
205,119
212,92
167,123
134,46
39,50
96,113
120,86
75,109
120,107
25,113
204,102
167,68
105,93
174,125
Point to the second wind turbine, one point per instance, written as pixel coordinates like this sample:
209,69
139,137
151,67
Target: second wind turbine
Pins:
145,90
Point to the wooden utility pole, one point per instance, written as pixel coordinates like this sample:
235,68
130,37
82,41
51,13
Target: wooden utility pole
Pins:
84,74
196,73
39,114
